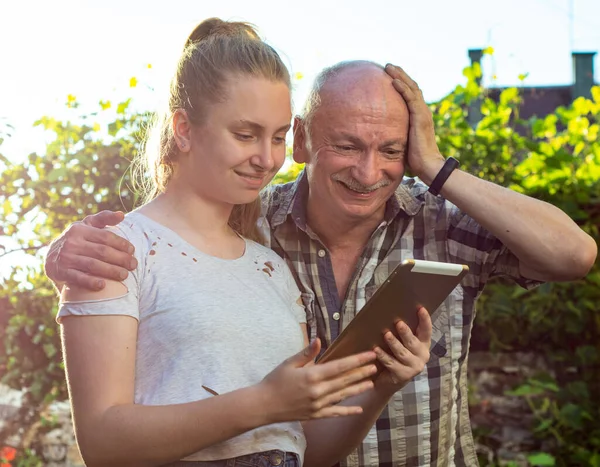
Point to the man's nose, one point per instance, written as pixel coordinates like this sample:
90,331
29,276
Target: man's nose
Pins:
367,171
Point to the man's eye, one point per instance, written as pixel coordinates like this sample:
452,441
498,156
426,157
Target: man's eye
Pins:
392,153
279,140
344,148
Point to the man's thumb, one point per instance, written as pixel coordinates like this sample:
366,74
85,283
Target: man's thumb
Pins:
104,218
307,355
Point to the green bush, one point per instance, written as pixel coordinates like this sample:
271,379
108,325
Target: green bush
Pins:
554,159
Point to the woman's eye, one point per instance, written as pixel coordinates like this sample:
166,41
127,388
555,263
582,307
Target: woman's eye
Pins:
279,140
244,137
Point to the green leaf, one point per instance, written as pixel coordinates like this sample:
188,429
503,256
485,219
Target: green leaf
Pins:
57,173
543,426
587,354
122,107
547,385
541,459
5,160
509,95
572,415
525,390
7,208
49,350
596,94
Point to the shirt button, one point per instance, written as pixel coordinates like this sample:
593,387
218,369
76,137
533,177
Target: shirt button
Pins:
336,316
276,459
321,253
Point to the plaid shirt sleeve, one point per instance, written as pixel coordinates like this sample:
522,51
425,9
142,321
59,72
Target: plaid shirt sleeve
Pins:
487,256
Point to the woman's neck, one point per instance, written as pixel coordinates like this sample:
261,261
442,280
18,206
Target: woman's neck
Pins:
182,210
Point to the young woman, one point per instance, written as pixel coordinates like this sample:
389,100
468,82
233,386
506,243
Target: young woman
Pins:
182,360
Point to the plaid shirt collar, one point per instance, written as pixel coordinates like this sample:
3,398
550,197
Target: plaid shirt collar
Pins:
408,198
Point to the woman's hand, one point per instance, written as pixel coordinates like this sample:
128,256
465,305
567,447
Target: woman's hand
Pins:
298,390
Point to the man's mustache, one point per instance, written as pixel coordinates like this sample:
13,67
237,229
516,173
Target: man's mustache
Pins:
359,187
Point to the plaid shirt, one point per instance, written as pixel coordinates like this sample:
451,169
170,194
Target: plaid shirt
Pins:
427,422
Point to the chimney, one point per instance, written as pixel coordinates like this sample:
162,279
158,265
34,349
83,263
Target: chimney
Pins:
475,56
474,110
583,74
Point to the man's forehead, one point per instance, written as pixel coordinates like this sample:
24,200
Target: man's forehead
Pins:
365,85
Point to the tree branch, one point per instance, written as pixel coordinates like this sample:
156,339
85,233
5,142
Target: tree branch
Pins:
28,249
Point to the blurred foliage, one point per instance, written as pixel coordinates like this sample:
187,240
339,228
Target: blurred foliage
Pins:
555,159
84,169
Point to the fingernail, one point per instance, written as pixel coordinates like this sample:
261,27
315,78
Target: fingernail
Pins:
123,275
99,284
132,264
130,249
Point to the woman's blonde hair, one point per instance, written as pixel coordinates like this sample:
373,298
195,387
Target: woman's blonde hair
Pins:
215,51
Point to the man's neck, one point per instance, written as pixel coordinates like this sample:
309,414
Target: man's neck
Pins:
338,232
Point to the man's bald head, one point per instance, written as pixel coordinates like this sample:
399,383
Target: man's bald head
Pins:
350,82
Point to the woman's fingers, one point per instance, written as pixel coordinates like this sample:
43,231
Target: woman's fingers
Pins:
344,393
340,366
338,411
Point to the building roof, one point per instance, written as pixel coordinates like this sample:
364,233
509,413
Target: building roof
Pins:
538,100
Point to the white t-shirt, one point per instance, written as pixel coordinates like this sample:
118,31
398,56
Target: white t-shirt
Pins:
206,321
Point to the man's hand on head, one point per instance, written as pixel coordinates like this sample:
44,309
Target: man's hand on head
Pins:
85,254
423,156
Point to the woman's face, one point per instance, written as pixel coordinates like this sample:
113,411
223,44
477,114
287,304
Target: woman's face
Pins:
240,145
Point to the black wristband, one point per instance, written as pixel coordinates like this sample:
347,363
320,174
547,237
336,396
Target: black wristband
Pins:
438,182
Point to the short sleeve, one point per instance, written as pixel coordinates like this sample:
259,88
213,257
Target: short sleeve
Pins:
123,305
294,294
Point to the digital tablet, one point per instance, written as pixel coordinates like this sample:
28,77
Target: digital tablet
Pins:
412,284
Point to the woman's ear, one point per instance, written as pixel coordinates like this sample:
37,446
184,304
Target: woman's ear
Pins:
182,130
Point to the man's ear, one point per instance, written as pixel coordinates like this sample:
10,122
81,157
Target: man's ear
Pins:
182,130
300,140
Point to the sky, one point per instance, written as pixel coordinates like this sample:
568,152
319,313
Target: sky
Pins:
91,49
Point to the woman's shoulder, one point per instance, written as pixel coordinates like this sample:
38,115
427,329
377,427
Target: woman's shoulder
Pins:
263,251
136,229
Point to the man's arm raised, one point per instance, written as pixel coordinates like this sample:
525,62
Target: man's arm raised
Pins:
85,254
548,244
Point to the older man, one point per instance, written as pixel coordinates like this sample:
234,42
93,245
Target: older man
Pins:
351,217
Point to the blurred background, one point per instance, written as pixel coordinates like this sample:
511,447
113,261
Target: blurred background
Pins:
513,89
